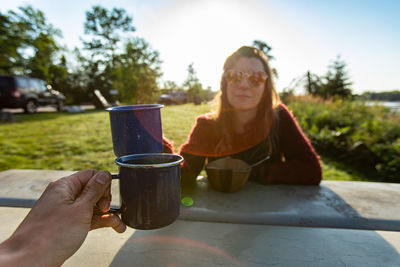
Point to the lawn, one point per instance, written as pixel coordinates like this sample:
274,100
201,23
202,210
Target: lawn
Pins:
63,141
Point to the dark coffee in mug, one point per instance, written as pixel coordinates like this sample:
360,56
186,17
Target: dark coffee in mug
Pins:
149,189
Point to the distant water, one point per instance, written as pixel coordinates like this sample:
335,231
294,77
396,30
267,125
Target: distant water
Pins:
395,106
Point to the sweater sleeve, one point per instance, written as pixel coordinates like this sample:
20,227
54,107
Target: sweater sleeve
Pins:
195,149
190,168
168,147
201,140
300,164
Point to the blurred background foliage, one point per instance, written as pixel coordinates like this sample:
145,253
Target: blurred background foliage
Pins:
366,137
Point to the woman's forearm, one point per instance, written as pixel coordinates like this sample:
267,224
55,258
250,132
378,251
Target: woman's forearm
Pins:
191,167
299,171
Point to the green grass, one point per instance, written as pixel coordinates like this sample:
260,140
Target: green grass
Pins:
62,141
57,141
335,170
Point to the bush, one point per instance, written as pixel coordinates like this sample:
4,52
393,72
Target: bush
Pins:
365,137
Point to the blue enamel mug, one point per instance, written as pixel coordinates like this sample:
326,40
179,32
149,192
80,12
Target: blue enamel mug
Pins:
136,129
149,187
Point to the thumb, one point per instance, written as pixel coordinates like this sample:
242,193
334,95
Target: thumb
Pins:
95,188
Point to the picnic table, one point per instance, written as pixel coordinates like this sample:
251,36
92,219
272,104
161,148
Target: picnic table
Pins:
337,223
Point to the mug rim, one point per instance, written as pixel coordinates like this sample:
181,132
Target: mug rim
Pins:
135,107
178,160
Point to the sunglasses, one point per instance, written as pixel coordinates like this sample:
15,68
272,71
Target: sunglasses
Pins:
254,78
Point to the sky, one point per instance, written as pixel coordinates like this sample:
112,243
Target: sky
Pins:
305,35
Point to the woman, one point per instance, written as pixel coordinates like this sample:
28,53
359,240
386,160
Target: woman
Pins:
249,124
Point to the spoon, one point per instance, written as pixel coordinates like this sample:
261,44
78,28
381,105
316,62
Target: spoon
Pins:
259,162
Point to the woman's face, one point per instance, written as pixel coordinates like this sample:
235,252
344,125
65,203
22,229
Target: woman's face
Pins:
245,83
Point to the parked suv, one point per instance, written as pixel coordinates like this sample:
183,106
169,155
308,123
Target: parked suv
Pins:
28,93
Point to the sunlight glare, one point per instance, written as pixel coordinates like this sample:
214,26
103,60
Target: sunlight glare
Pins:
206,32
211,29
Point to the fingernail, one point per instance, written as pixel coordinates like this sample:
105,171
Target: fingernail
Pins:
106,206
102,178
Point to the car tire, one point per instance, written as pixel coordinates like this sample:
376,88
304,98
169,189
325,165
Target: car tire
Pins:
60,106
30,106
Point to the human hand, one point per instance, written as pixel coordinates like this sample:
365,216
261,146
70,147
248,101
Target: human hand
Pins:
59,221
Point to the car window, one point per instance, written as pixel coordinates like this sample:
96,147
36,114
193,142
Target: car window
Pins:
43,85
22,82
6,83
34,85
38,85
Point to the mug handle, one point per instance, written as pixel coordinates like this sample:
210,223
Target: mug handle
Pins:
114,210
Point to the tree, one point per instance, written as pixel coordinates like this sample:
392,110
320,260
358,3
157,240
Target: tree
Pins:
263,46
208,94
40,64
136,72
105,31
266,49
58,74
313,84
170,86
28,44
79,78
10,41
192,85
105,27
382,96
336,81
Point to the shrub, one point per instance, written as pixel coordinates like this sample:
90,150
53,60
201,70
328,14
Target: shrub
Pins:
365,137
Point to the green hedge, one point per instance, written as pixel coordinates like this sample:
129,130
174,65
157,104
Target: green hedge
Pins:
365,137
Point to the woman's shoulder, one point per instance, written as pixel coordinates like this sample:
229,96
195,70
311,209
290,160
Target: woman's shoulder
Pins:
206,120
211,117
283,112
281,107
202,138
